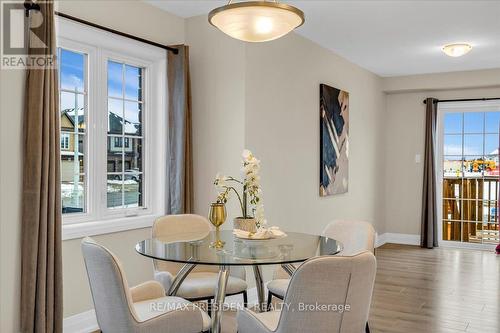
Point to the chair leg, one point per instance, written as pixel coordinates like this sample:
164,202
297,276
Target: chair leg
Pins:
367,329
209,307
245,299
269,299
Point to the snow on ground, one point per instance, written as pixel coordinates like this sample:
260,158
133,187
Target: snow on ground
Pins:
119,182
68,189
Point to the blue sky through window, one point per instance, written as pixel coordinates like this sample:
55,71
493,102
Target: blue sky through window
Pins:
477,132
492,122
125,92
473,122
115,79
453,123
132,75
133,83
72,66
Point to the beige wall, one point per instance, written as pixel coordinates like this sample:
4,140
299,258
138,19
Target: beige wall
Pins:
265,97
486,78
218,94
218,91
404,138
11,108
282,128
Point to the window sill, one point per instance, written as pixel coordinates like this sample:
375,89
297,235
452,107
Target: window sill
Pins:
84,229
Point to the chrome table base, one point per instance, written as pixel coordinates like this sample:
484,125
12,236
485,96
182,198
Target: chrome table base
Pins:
259,283
220,291
220,295
179,278
289,268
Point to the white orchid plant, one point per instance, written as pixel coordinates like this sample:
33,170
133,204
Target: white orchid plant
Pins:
250,198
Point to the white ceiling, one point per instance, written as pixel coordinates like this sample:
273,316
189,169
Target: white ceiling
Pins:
392,37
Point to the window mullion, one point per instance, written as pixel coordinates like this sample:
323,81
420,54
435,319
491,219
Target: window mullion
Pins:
463,180
123,135
101,139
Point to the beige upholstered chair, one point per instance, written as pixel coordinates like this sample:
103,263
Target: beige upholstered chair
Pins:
356,236
329,281
143,308
200,284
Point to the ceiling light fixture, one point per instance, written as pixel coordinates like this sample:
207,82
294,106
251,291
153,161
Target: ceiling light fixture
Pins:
457,49
256,21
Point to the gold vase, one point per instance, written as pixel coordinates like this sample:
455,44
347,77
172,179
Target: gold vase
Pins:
217,215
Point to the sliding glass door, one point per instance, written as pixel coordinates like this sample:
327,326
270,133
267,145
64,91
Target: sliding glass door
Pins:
469,173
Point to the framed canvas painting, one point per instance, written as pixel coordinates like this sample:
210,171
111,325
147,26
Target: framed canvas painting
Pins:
334,140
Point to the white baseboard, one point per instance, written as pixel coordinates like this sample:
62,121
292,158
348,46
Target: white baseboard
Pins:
395,238
380,240
464,245
408,239
84,322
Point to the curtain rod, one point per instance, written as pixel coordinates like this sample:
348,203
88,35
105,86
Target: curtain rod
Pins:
123,34
30,5
463,100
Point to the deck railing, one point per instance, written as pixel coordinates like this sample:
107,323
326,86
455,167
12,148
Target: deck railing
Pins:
470,209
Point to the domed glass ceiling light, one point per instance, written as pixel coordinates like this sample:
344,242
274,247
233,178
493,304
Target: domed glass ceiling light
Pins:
256,21
457,49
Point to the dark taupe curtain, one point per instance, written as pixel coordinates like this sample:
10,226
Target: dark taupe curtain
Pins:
41,267
429,235
180,150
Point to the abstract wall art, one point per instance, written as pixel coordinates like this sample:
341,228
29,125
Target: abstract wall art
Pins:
334,140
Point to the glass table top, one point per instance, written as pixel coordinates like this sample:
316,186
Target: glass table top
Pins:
195,248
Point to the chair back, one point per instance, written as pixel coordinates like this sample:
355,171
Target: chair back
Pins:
329,294
184,227
109,287
356,236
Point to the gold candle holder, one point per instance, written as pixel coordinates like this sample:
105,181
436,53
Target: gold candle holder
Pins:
217,216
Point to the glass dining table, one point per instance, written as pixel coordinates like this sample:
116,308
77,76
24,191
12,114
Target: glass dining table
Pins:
193,249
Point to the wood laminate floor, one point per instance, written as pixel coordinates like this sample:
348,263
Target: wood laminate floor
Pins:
442,290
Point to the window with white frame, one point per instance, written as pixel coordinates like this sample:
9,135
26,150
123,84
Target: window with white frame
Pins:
73,92
469,141
125,162
65,141
111,115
